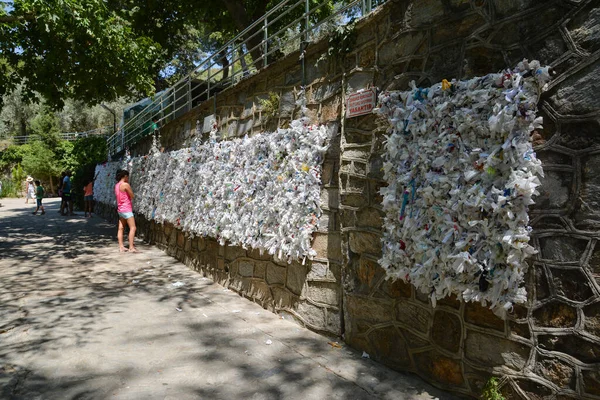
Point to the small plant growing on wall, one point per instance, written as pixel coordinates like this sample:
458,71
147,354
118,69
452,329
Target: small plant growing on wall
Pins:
270,106
491,390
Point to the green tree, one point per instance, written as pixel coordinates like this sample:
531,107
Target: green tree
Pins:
18,176
42,162
73,49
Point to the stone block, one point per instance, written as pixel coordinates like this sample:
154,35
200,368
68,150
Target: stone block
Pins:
365,242
370,217
282,298
234,252
244,127
425,11
260,269
389,346
347,218
556,371
555,315
368,274
359,154
296,277
275,274
354,199
325,91
446,331
577,94
317,271
260,291
246,268
324,292
330,198
480,60
591,382
334,324
584,27
287,103
369,309
482,316
491,351
320,244
312,315
585,350
572,284
559,248
412,315
592,319
396,289
356,185
439,368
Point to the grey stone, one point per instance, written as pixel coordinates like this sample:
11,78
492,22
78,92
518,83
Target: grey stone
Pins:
322,292
326,91
492,351
275,275
368,309
562,248
244,127
317,270
287,104
312,315
365,242
296,276
246,268
370,217
578,94
555,190
584,27
412,315
330,198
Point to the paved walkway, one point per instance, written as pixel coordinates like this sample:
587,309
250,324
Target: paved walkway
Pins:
78,320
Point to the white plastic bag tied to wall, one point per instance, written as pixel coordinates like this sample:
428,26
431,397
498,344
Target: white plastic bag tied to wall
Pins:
461,173
260,192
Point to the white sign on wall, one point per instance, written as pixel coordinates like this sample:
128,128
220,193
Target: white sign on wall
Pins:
360,103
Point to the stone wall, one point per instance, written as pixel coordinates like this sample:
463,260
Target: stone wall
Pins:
548,348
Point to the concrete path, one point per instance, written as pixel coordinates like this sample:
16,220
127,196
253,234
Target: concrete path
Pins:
78,320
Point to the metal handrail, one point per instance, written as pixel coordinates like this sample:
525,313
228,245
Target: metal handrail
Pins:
67,136
192,90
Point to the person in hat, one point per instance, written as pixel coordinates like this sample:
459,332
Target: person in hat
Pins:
30,194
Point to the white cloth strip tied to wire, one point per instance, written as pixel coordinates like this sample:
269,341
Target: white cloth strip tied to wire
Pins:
461,173
260,192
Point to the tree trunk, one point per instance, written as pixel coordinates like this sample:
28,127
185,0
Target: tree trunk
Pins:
242,21
51,185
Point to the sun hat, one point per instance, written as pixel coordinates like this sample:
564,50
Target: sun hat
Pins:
29,179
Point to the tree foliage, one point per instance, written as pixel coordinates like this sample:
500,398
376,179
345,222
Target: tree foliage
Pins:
99,50
73,48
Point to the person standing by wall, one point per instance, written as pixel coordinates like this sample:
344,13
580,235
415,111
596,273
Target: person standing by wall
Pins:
124,195
88,197
66,188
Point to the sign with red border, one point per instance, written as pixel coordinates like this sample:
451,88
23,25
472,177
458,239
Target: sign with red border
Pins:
360,103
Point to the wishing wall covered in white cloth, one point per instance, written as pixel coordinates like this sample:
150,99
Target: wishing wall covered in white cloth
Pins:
260,192
461,173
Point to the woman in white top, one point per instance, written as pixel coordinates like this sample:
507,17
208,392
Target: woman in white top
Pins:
30,190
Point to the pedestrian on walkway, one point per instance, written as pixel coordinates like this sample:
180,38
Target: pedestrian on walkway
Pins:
124,195
88,197
30,194
66,188
60,192
39,195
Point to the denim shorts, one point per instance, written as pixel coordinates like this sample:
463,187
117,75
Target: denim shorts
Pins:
126,215
88,198
39,202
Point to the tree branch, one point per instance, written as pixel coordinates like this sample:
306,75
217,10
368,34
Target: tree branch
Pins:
7,19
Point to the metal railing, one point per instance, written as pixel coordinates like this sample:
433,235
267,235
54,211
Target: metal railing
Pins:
289,26
68,136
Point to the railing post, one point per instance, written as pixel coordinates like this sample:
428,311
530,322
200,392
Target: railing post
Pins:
266,39
189,93
208,76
